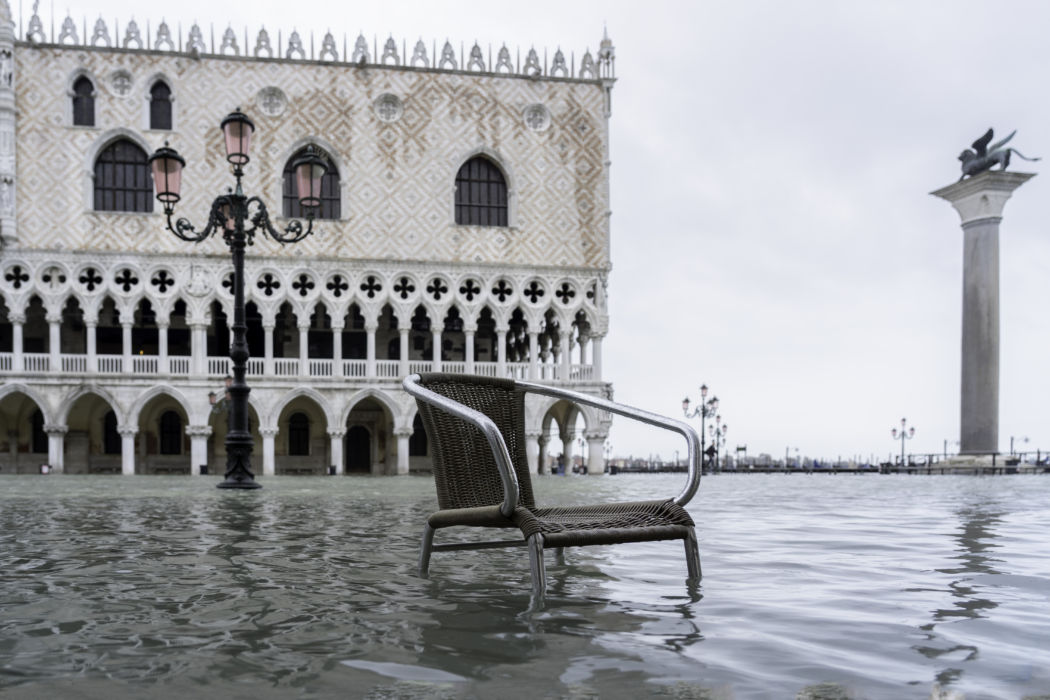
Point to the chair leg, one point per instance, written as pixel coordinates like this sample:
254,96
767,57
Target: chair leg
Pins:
559,555
692,556
539,573
424,550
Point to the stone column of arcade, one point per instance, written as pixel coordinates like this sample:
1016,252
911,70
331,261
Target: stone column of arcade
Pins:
980,201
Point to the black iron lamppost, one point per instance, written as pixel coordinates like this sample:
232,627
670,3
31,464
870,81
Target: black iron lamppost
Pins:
705,408
904,434
229,214
718,432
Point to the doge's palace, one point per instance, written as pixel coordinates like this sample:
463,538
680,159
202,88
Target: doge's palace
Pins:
464,227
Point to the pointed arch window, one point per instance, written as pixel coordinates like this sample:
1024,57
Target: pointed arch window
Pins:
83,102
170,433
329,208
298,435
160,106
481,194
122,178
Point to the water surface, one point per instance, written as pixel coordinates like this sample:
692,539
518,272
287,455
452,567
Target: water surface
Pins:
825,586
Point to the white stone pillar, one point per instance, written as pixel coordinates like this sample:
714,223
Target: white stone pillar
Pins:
468,347
534,355
532,451
56,447
568,438
198,349
199,435
54,344
268,348
337,349
402,451
17,358
403,365
335,438
501,351
596,357
304,349
125,328
370,347
435,355
565,353
541,455
127,450
269,461
91,327
595,457
979,202
163,366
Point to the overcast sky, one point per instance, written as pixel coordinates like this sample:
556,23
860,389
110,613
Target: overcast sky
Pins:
773,233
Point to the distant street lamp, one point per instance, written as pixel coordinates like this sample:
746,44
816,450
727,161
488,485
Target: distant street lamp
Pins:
905,433
718,433
1022,439
229,213
705,408
787,451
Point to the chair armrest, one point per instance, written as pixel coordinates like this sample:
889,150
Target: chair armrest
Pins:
691,438
487,427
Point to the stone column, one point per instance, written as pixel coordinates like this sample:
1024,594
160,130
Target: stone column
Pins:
337,348
8,169
501,351
402,450
269,461
980,201
125,327
532,451
335,438
403,368
90,328
54,343
199,435
596,356
198,349
435,355
127,450
534,355
268,327
468,347
56,443
370,347
595,457
565,355
163,366
541,455
304,349
568,438
17,322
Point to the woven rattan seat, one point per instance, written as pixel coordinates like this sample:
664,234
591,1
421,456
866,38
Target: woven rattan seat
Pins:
476,430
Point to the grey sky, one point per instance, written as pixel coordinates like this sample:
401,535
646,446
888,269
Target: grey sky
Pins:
773,235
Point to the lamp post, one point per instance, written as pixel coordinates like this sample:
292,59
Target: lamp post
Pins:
904,434
705,408
229,214
718,433
1022,439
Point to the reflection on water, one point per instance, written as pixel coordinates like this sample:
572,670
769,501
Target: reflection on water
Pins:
819,586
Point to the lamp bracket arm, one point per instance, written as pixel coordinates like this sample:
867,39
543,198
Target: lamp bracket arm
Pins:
293,233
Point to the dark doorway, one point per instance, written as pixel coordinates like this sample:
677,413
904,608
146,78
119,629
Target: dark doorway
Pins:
358,451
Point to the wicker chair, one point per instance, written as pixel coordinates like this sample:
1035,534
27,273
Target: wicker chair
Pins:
476,427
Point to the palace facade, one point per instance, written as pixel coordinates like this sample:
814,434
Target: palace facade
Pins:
464,227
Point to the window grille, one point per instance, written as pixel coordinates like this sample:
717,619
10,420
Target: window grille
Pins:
481,194
83,102
329,208
122,179
160,106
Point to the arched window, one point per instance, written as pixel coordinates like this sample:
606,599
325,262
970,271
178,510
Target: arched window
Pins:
122,179
83,102
36,423
160,106
298,434
481,194
417,442
170,433
110,437
329,208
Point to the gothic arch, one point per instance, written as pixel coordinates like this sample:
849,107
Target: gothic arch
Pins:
381,397
330,150
508,177
19,388
101,143
303,391
135,412
84,390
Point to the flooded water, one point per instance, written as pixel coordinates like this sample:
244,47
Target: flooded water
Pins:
815,586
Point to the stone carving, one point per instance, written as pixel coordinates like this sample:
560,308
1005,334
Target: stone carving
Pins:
35,33
476,61
163,41
7,196
7,69
983,157
390,53
262,43
537,117
388,108
558,66
295,47
272,101
200,283
328,49
196,41
360,54
532,64
120,83
419,55
587,68
229,41
448,57
101,34
68,33
503,64
132,35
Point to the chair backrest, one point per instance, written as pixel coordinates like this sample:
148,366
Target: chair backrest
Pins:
465,471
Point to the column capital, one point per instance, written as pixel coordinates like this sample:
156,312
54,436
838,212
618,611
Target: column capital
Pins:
268,432
55,429
16,317
337,434
403,432
373,326
983,196
303,325
53,318
198,430
127,432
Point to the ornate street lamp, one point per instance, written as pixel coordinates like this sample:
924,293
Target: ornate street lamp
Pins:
718,432
904,434
705,408
229,214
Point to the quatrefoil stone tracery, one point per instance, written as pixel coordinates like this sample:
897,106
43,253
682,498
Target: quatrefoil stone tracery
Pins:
303,284
502,290
404,287
470,289
90,278
16,276
337,285
534,291
437,288
371,287
162,281
268,284
126,280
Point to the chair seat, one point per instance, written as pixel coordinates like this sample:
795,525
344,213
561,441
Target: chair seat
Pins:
607,523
